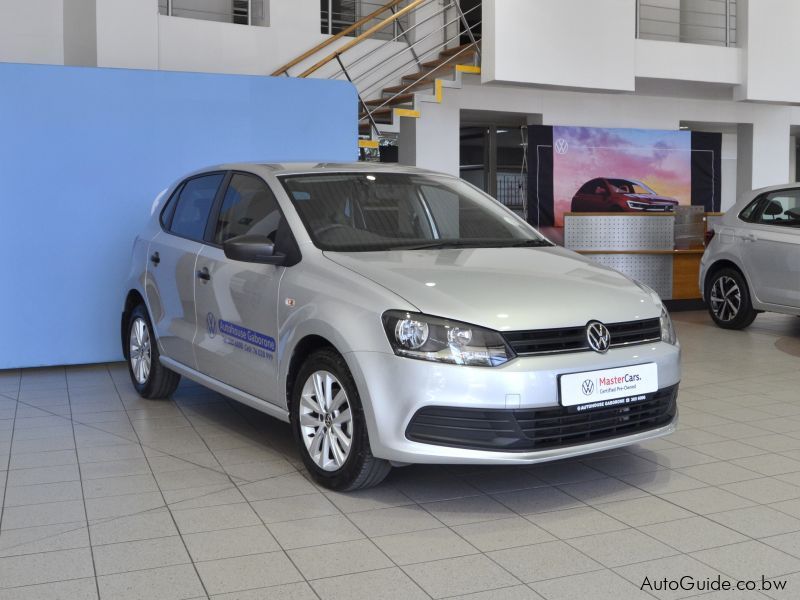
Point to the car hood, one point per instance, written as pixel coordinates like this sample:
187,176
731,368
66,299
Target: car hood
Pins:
505,289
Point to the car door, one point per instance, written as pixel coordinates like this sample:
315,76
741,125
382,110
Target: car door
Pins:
770,249
171,266
237,302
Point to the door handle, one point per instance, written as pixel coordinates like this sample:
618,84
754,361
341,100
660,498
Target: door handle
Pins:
155,258
204,274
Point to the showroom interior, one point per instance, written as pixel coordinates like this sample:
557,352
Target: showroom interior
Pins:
643,155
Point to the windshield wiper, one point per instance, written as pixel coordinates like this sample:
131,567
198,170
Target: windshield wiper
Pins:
439,245
530,244
443,244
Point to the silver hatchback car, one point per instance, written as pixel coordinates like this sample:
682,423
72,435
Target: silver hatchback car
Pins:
393,316
752,262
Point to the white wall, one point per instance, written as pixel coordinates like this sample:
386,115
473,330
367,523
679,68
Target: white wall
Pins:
127,34
688,62
568,43
32,31
770,29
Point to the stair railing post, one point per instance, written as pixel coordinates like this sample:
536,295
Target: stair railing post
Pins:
249,12
467,27
372,122
727,23
169,8
397,24
330,17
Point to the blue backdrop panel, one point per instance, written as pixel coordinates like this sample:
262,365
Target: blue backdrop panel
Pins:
83,154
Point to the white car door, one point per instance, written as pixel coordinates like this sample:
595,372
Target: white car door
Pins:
770,249
237,302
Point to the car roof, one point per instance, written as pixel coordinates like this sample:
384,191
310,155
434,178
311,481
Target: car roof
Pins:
296,168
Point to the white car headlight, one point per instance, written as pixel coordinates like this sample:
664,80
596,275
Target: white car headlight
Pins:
423,337
667,330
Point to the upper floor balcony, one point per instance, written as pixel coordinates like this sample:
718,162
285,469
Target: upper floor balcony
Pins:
711,22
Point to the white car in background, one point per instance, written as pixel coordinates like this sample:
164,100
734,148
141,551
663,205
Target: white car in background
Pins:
752,263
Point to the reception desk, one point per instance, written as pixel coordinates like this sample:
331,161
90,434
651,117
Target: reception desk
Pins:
640,245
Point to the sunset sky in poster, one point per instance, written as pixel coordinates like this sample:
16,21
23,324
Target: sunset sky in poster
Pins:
660,159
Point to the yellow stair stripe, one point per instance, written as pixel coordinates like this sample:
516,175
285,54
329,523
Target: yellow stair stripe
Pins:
368,143
468,69
439,91
406,112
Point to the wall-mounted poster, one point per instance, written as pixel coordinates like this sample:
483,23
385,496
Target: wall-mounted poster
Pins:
588,169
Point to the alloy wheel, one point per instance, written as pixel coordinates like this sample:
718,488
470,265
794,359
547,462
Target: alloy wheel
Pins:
726,298
140,350
326,421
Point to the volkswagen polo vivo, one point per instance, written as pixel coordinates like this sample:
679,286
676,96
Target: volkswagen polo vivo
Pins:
392,316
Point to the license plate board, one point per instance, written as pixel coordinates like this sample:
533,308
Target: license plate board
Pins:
605,388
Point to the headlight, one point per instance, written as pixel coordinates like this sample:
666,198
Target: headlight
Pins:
667,330
414,335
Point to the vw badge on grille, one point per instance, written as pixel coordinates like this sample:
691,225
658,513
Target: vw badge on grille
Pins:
598,336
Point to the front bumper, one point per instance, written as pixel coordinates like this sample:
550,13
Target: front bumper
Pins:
393,389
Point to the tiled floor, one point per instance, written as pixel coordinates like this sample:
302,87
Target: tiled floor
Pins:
108,494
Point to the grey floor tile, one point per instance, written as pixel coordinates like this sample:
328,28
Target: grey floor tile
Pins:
195,520
387,584
384,496
295,507
537,500
45,538
749,560
424,546
342,558
502,533
769,464
50,513
247,572
707,500
757,521
136,556
597,585
54,458
40,493
566,471
119,486
120,506
46,567
495,480
143,526
38,475
203,497
166,583
463,575
311,532
471,509
386,521
516,592
289,591
600,491
619,548
644,511
576,522
693,534
544,561
765,490
229,543
786,542
74,589
281,486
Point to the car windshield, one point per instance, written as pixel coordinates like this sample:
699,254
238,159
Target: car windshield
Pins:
630,186
361,212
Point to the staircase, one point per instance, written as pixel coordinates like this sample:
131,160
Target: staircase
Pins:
396,77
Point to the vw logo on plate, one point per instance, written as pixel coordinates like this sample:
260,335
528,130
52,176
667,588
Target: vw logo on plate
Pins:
598,336
561,146
587,387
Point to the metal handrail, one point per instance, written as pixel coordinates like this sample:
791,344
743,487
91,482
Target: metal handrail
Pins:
285,68
357,40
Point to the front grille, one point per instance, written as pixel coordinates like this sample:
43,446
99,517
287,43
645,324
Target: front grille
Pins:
573,339
538,429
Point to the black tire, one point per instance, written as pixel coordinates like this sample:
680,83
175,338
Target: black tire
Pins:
360,469
728,299
159,381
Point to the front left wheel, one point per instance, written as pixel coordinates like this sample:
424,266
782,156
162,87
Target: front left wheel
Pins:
150,378
329,426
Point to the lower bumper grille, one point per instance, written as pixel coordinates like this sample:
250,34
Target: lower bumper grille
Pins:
539,429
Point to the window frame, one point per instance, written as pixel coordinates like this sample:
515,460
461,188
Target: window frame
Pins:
211,226
761,200
175,199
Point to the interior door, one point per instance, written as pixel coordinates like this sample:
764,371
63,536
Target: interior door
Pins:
237,302
771,249
171,267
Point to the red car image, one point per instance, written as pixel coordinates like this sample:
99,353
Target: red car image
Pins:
620,195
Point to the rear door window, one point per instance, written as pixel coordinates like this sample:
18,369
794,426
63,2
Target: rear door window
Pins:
194,206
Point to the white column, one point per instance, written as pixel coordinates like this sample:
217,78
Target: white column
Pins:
770,149
432,141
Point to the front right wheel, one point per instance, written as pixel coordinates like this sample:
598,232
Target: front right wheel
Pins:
729,302
329,426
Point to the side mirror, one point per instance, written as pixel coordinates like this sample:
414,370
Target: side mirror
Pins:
253,249
600,190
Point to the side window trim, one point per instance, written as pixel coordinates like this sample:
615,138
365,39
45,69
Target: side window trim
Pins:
212,224
177,200
165,218
755,215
